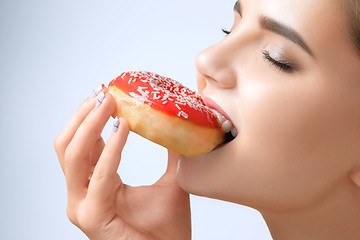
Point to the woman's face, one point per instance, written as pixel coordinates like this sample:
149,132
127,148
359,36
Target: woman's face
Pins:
288,78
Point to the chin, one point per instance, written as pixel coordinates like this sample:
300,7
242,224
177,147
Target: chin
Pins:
227,173
205,175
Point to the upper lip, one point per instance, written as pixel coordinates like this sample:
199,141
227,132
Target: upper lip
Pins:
212,104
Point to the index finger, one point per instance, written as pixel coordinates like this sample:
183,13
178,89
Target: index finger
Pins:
66,135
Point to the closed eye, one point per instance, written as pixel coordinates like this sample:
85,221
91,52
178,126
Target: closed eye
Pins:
283,65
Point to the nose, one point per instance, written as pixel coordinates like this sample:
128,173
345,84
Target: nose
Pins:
215,65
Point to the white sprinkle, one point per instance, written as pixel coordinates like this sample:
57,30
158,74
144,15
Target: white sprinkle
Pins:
181,103
155,95
165,97
132,80
165,102
177,106
183,114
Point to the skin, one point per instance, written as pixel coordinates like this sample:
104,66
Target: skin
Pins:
296,156
99,203
298,146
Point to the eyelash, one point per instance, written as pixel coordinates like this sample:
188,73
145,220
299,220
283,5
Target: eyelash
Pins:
227,32
285,66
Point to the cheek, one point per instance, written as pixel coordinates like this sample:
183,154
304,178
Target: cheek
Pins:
277,116
297,134
298,118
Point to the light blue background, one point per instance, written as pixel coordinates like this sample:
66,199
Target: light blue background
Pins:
52,54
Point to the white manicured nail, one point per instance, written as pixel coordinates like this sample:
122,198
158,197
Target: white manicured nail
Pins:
116,124
96,91
100,100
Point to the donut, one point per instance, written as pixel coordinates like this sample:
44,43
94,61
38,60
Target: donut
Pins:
165,112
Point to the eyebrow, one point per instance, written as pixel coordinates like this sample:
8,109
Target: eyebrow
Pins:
285,31
278,28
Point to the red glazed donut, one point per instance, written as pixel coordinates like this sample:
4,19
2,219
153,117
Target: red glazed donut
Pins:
167,113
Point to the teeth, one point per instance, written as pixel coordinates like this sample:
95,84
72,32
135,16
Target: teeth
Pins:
219,116
227,126
234,132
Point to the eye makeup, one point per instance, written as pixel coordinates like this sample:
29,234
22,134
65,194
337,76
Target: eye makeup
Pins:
280,62
276,56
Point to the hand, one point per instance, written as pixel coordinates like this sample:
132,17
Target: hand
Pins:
99,203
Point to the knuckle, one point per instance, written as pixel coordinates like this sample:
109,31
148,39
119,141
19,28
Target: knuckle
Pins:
110,99
99,175
59,143
81,215
86,224
81,218
113,149
109,104
70,154
90,126
72,216
110,150
87,221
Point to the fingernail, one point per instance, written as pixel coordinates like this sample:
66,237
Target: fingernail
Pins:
96,91
116,124
100,100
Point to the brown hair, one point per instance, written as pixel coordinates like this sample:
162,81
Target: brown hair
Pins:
352,12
